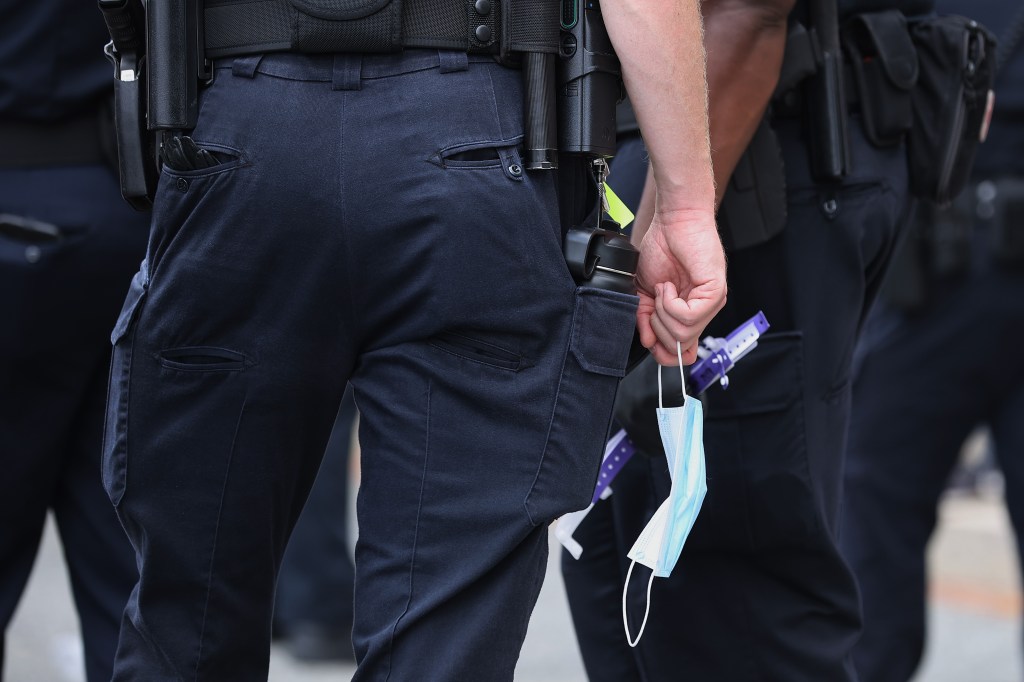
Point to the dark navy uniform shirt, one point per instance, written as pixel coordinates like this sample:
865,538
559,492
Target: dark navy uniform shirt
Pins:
1003,152
51,58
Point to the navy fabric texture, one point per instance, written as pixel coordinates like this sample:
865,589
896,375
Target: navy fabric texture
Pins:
346,235
60,299
760,591
317,573
51,59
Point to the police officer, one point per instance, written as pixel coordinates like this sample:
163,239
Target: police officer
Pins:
369,216
760,591
943,342
68,246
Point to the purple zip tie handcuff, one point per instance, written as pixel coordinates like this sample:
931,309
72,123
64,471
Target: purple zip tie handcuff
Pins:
717,355
618,451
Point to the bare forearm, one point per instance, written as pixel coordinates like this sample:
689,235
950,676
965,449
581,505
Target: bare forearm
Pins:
745,42
660,47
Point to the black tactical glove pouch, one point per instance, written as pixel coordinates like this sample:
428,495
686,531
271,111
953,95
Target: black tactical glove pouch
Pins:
884,66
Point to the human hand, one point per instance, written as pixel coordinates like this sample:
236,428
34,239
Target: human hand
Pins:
681,283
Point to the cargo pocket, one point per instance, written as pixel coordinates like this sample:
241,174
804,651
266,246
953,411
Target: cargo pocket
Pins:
115,436
599,342
760,490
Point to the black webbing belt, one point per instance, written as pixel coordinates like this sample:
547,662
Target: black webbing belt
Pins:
234,27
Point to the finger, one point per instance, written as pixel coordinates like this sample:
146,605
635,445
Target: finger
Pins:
665,357
644,312
665,337
671,330
690,354
685,319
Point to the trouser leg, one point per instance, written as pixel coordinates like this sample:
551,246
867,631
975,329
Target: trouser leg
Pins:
61,298
909,421
230,358
315,586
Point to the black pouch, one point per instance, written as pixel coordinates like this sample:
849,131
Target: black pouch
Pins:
753,208
884,66
360,25
951,103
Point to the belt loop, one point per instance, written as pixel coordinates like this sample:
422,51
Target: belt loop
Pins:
348,69
246,66
452,61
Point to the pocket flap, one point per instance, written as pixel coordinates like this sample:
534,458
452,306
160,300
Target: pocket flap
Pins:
602,330
131,303
884,36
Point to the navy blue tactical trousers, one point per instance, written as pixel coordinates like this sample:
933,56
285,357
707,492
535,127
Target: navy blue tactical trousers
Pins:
60,296
760,592
314,588
925,380
370,219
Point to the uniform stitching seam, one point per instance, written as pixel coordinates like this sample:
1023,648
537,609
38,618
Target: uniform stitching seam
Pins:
216,534
415,537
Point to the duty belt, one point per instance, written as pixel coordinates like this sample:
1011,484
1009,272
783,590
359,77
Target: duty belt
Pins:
500,27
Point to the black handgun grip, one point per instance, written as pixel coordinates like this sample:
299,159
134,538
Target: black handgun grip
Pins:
125,21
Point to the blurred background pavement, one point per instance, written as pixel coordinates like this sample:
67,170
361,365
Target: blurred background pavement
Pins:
974,623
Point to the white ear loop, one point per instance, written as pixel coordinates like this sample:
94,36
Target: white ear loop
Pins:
647,610
682,377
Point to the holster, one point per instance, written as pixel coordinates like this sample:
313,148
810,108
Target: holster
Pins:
753,209
136,157
883,62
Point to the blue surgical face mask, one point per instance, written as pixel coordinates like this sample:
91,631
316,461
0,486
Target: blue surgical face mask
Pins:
661,541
